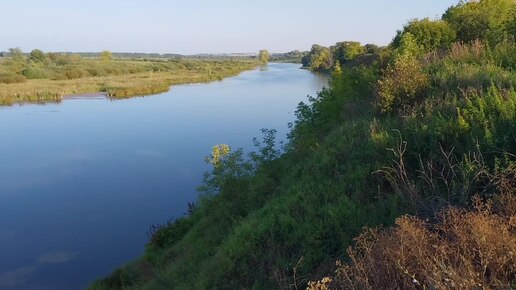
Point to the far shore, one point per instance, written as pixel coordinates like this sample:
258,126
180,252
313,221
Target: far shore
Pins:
123,85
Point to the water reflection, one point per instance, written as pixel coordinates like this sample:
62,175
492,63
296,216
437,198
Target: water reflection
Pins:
81,181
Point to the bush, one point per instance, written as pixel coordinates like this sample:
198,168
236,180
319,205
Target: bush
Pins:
401,84
11,78
464,250
488,20
430,35
34,73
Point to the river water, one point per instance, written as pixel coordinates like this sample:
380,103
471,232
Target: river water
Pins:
81,181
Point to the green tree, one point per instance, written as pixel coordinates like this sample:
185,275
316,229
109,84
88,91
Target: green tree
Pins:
347,51
408,47
372,48
322,60
488,20
17,61
404,80
429,35
16,54
106,55
264,56
37,55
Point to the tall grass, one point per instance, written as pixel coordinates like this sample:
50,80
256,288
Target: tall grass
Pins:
118,79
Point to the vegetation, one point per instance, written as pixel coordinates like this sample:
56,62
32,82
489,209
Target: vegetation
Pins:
294,56
380,261
44,77
416,138
264,56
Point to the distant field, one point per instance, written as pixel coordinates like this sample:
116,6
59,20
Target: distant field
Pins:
29,79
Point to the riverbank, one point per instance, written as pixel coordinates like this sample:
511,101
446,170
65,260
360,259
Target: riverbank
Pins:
144,81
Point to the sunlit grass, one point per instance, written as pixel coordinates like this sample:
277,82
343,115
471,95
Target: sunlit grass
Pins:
126,84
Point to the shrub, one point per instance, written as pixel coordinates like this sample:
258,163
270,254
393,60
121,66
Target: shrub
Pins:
11,78
488,20
402,83
464,250
430,35
34,73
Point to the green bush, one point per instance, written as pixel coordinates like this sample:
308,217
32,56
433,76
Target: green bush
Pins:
401,84
430,35
35,73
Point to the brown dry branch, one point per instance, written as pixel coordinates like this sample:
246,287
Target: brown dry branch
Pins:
461,249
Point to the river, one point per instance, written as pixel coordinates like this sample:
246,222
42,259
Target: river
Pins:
81,181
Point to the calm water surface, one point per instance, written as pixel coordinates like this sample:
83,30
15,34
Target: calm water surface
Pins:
81,181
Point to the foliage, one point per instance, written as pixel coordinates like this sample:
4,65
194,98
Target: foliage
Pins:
37,55
442,131
264,56
429,35
62,74
320,58
347,51
404,80
463,250
11,78
489,20
106,55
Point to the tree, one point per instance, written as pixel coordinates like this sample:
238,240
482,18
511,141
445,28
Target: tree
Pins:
16,53
404,80
347,51
106,55
17,61
323,60
264,56
429,35
37,55
372,48
488,20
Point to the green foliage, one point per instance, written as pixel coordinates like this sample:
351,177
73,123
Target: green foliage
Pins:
106,55
37,55
16,54
429,35
264,56
321,59
488,20
372,48
34,72
54,75
443,125
404,80
347,51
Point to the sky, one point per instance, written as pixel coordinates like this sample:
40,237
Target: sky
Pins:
204,26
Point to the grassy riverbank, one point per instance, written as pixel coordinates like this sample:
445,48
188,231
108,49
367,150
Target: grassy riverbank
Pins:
51,81
418,145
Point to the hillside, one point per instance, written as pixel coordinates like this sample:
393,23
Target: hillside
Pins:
425,129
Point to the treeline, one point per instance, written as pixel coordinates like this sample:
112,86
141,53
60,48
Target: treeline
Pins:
418,146
18,66
129,55
294,56
321,58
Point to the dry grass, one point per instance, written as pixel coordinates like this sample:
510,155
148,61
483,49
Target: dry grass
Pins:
117,86
462,249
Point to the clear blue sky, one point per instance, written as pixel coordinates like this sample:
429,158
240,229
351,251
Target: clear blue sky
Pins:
204,26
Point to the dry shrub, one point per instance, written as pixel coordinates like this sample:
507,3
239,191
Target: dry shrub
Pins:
464,250
465,52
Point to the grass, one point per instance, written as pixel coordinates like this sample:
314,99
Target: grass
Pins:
123,79
408,143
